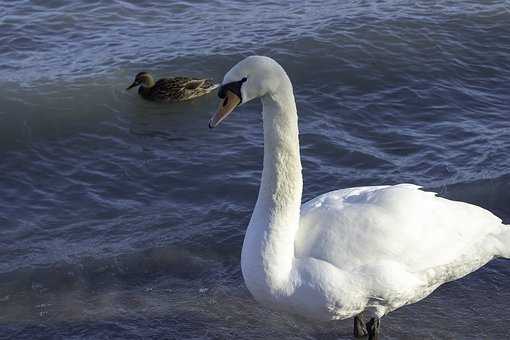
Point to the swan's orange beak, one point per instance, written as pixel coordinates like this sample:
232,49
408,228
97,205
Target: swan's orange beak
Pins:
227,105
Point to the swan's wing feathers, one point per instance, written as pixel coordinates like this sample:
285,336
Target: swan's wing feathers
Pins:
336,199
356,227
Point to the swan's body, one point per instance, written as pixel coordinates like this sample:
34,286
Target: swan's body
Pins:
370,249
175,89
379,248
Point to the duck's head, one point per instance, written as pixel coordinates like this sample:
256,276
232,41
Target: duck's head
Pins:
251,78
142,78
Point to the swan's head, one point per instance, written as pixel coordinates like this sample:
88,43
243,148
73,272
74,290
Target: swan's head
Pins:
252,77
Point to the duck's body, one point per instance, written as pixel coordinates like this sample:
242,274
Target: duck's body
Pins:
172,89
367,249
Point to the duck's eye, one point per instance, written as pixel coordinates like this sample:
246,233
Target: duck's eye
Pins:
225,102
244,79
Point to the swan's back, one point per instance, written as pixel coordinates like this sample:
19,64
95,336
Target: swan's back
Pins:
356,227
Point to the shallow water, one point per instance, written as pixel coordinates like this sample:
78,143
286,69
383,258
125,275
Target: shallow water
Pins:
125,219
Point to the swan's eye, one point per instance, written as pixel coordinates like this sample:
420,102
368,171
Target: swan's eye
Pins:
234,87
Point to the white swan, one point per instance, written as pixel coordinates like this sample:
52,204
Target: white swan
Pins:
366,249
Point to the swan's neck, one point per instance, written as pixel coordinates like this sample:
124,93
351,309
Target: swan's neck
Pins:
268,249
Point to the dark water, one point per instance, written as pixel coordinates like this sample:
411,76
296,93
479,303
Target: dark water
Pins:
125,219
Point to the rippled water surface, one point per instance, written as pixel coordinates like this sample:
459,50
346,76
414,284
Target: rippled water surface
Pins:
121,218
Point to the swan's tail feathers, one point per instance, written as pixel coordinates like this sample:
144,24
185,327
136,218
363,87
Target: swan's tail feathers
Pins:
505,239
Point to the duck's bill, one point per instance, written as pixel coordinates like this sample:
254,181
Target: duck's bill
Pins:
227,105
131,86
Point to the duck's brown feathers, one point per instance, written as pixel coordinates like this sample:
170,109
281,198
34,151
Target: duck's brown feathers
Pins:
177,89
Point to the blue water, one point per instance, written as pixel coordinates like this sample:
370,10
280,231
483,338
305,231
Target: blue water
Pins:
121,218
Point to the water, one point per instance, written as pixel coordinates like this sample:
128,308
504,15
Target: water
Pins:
125,219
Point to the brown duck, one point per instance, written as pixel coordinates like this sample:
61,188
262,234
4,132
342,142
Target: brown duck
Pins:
171,89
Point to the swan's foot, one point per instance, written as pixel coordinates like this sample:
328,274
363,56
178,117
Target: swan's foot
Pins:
373,328
360,329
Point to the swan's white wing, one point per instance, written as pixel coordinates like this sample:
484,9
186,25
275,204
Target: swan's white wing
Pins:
402,225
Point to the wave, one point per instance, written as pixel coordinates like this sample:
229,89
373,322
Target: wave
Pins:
492,194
